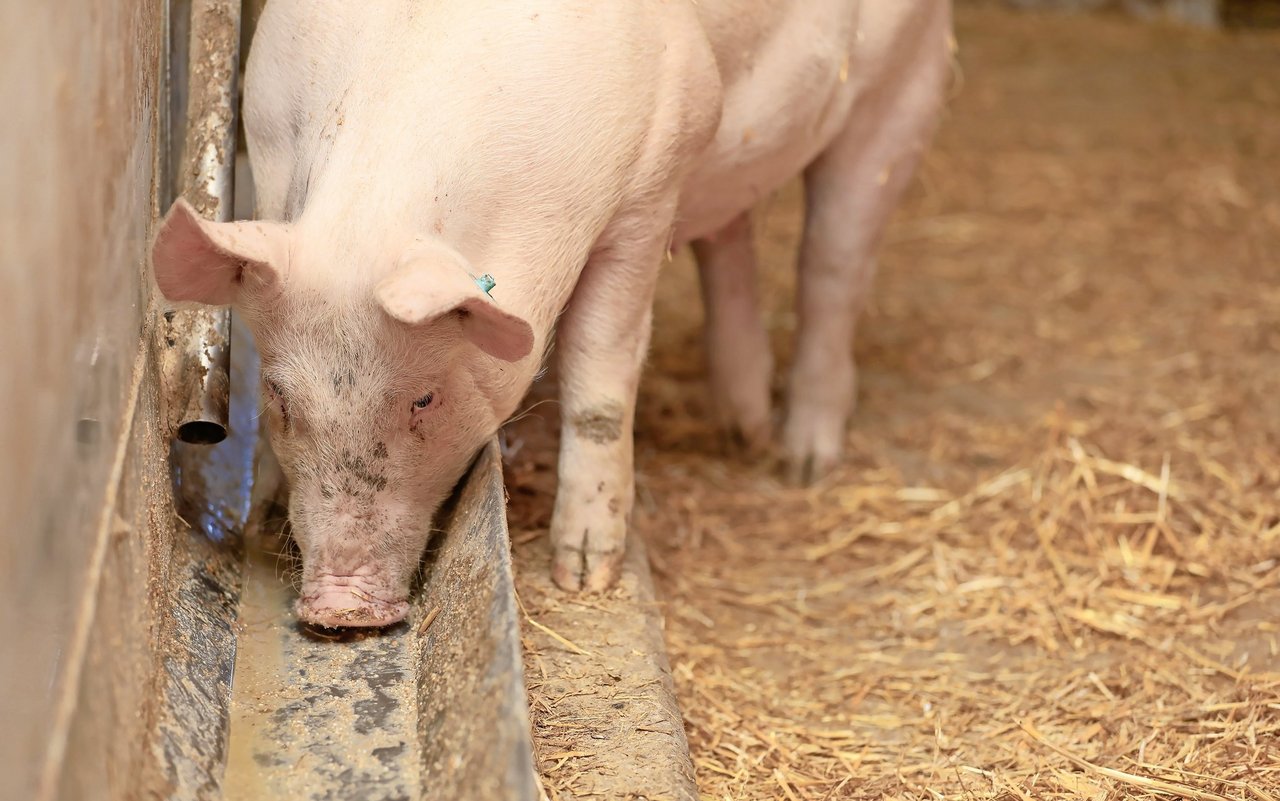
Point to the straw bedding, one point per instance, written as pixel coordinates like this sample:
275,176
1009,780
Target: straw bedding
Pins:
1048,566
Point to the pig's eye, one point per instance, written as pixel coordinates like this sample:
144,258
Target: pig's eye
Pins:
277,397
425,401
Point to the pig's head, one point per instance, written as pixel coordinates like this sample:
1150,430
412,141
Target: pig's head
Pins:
376,395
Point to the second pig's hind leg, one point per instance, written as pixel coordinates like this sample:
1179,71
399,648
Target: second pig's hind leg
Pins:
739,362
851,191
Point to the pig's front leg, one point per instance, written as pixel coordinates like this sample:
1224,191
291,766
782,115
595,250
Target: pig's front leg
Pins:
602,338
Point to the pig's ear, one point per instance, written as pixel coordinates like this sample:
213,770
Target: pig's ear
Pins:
433,281
208,262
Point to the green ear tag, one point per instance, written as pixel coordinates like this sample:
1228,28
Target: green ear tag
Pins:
486,283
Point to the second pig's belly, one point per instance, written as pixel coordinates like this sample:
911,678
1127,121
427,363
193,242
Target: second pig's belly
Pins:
768,135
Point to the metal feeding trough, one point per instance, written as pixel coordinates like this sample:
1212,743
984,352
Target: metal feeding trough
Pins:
253,704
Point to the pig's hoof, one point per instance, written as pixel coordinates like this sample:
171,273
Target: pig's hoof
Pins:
576,570
748,441
812,445
342,607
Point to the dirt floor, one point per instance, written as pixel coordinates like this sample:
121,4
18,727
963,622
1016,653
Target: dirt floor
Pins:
1049,566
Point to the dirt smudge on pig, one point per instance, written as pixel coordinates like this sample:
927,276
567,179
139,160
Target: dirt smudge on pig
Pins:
601,425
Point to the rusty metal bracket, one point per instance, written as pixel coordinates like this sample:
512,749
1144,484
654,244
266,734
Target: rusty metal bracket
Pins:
203,86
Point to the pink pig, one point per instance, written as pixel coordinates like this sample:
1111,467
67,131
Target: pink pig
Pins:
401,150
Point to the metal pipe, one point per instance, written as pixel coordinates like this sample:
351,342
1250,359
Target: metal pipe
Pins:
197,343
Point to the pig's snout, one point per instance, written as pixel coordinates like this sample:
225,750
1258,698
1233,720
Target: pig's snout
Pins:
338,601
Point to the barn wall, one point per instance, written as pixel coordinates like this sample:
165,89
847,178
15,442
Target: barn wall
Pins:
1203,13
85,505
1196,12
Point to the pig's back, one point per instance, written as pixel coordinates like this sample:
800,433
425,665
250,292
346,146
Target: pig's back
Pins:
500,123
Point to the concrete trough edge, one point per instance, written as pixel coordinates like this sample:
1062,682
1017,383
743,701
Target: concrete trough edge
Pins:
471,689
609,701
